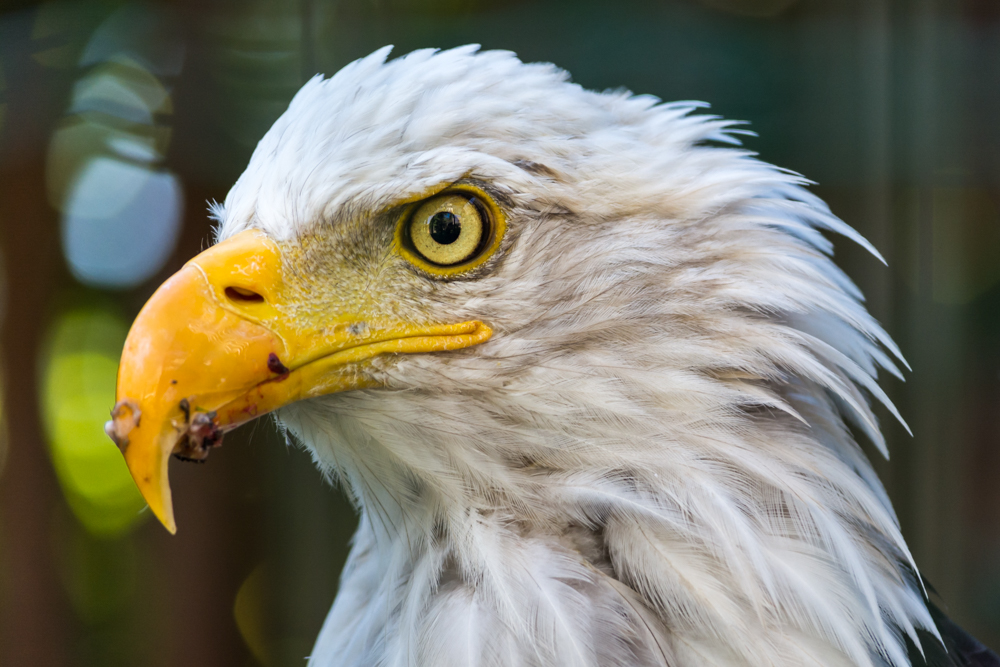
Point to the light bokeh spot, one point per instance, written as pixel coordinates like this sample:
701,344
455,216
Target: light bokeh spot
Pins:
121,206
146,32
248,612
78,389
121,222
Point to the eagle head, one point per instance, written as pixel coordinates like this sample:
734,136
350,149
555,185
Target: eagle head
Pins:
584,364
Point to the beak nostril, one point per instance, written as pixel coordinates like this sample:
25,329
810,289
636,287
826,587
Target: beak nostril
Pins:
243,295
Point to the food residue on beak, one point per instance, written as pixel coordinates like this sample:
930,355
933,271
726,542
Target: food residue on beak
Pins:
200,433
124,417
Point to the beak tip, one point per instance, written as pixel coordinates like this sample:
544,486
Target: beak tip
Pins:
166,517
147,457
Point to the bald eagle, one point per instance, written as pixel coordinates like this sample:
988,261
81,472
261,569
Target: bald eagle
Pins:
583,363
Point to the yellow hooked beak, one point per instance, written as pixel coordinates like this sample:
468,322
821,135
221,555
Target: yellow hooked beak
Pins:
214,348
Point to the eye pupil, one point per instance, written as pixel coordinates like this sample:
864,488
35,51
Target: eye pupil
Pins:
445,227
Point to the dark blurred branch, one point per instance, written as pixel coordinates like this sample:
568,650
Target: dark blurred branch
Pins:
34,611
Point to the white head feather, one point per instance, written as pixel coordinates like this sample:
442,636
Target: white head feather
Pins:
647,463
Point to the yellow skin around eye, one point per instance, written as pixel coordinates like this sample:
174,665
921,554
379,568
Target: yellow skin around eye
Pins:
461,248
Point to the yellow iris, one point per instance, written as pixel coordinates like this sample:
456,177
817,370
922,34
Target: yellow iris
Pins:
451,232
447,229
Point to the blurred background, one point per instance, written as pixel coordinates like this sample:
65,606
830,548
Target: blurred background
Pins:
120,120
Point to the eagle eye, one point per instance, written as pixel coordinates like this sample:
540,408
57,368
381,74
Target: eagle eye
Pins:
451,232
